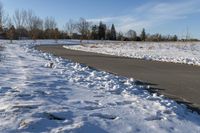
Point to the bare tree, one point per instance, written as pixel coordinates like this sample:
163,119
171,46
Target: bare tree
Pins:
3,17
132,35
11,33
70,27
50,23
28,20
33,21
20,22
35,26
9,23
83,28
20,17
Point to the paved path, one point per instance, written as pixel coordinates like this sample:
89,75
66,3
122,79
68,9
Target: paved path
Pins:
177,81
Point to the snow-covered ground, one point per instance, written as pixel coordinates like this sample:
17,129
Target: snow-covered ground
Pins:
43,93
179,52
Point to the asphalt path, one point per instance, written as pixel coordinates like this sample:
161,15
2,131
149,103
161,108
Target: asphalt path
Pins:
180,82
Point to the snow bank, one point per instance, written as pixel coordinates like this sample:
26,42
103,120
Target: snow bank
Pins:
43,93
179,52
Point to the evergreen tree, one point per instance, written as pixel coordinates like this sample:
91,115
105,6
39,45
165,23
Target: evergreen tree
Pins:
113,32
108,34
175,38
94,34
102,31
143,35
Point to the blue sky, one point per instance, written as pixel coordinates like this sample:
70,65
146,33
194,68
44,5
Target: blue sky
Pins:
163,16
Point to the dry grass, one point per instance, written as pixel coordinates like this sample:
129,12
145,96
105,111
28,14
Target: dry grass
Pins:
93,46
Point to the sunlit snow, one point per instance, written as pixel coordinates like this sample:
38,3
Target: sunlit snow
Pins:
43,93
176,52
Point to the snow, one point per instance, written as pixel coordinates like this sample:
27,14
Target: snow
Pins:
43,93
176,52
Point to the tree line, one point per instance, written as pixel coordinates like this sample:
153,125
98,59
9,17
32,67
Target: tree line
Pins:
24,24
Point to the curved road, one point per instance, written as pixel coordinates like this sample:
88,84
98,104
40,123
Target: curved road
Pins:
177,81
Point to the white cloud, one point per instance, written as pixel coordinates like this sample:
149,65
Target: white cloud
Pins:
152,14
169,11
